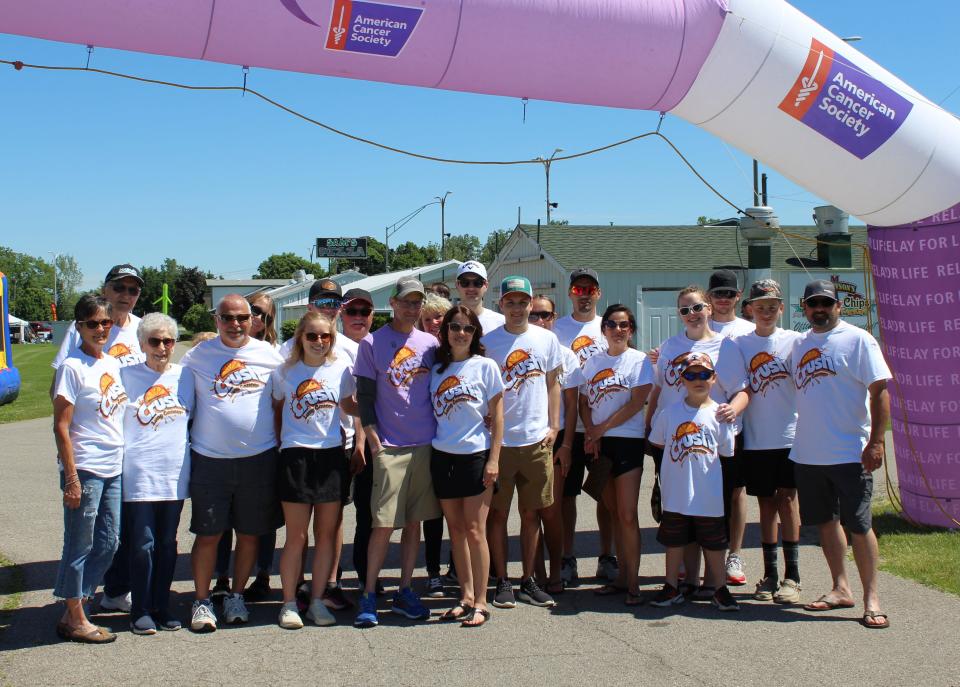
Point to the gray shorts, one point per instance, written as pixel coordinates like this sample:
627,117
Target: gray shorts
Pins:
234,492
828,492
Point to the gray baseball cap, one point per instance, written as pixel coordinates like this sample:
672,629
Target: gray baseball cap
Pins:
407,285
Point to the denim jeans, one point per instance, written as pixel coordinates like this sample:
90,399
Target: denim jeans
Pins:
116,580
90,536
152,533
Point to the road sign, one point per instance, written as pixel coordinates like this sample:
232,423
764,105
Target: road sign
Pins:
342,248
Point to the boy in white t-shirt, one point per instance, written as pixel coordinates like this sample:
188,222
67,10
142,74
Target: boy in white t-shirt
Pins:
691,478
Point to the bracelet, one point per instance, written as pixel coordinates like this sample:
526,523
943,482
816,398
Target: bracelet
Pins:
74,480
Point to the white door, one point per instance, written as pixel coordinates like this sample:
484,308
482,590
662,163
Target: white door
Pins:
658,317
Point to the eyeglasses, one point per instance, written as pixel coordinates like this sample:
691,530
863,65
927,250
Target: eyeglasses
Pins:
456,328
258,311
327,303
819,302
240,319
313,337
155,341
358,312
687,309
537,315
121,288
93,324
411,305
466,282
622,324
724,293
584,290
701,376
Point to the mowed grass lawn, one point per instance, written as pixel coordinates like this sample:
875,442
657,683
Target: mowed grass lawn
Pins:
33,362
929,555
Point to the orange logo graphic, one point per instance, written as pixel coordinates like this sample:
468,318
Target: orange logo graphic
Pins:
585,348
765,370
520,369
690,440
236,379
112,395
451,392
406,365
311,397
813,366
158,406
603,384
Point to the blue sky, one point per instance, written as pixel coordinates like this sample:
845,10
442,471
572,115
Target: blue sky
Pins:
113,171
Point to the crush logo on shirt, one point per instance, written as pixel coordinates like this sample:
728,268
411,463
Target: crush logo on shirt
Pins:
605,383
671,375
236,379
451,392
312,396
813,366
765,370
406,365
520,369
585,348
112,395
158,406
690,440
122,352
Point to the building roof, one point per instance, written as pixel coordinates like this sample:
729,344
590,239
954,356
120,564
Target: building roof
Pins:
632,248
247,282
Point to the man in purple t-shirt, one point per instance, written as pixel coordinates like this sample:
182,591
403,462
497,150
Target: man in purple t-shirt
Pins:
393,389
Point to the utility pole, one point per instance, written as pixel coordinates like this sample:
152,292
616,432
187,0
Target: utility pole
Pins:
55,256
546,168
386,248
443,230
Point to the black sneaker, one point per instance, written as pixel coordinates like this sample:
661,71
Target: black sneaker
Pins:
303,595
531,593
724,600
335,599
667,596
688,590
504,596
259,590
450,578
221,590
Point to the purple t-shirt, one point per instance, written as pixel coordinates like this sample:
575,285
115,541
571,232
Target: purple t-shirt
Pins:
400,365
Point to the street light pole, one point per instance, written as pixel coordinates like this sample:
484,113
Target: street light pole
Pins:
443,230
546,168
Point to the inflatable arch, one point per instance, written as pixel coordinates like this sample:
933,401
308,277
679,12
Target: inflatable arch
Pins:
9,375
757,73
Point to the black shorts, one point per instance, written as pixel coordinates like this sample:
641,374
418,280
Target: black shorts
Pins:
234,492
457,475
768,470
313,475
624,453
828,492
656,454
573,482
678,530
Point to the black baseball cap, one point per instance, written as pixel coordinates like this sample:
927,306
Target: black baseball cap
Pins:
820,287
722,280
357,295
121,271
584,272
324,287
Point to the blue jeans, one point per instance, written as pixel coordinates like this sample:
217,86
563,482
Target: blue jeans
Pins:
152,532
90,536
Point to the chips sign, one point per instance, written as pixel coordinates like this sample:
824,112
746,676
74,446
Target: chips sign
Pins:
342,248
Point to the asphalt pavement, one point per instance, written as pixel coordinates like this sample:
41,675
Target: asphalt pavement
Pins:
586,639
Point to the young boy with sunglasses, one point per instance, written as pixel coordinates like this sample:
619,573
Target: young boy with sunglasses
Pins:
693,441
472,286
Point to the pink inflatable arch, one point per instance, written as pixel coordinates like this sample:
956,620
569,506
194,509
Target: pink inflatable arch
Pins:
757,73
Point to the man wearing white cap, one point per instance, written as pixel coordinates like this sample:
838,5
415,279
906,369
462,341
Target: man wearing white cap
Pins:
472,286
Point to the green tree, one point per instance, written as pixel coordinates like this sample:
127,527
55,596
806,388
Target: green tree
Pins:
69,278
30,282
703,220
491,248
462,247
187,291
283,266
371,265
198,319
409,255
288,329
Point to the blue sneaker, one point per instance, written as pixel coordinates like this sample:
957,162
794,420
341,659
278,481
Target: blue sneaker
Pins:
367,617
406,603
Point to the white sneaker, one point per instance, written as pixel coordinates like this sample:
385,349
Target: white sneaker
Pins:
319,614
203,618
735,574
290,617
120,603
234,610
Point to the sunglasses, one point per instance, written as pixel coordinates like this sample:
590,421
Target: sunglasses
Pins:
622,324
687,309
536,315
240,319
466,282
313,337
701,376
456,328
724,293
584,290
358,312
819,302
258,311
93,324
155,341
121,288
327,303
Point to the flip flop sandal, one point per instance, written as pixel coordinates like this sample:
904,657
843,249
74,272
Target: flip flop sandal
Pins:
451,614
637,599
98,636
482,612
875,626
827,605
609,590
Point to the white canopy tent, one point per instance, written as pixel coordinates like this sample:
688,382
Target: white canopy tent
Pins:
18,329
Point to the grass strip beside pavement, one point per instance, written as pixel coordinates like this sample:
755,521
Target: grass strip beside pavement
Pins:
11,588
929,555
33,362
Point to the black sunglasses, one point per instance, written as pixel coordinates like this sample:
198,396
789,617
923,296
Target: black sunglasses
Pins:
258,311
466,282
702,375
696,307
819,302
93,324
234,318
456,328
611,324
313,337
539,315
156,341
120,288
724,293
358,312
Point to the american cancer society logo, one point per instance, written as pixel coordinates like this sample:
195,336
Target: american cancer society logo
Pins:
843,103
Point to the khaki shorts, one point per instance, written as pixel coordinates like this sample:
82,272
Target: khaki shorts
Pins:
530,470
402,487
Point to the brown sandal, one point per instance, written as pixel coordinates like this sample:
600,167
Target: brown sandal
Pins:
477,612
100,635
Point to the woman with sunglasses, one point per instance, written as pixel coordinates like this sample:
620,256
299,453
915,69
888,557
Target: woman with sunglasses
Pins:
264,312
88,405
313,479
616,384
466,388
729,391
156,470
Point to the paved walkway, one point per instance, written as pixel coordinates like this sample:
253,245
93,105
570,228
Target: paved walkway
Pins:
586,640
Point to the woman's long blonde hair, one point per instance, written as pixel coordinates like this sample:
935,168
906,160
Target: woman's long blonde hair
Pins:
269,333
296,352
